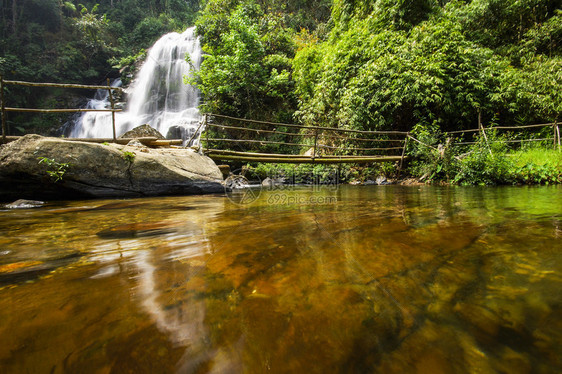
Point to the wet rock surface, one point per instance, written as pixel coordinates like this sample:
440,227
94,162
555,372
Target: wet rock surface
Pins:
134,230
142,131
24,204
79,169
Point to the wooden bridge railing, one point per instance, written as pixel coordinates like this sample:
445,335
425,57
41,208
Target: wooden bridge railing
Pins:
323,143
4,109
482,130
326,153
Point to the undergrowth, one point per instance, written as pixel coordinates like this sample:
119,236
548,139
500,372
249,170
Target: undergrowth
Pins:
437,159
489,161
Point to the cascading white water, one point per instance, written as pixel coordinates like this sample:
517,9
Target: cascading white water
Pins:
158,96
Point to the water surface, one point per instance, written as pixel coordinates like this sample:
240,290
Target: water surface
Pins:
372,279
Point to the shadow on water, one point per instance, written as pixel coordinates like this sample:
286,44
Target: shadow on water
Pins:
375,279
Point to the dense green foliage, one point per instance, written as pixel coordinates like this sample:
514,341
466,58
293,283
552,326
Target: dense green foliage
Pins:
78,41
345,63
249,48
398,64
52,40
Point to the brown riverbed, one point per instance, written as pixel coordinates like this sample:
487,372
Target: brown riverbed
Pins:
355,279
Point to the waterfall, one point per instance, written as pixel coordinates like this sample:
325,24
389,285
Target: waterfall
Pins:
158,96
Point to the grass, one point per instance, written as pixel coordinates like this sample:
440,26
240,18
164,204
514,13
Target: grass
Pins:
538,156
537,165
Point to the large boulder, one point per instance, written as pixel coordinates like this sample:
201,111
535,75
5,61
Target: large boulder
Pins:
36,167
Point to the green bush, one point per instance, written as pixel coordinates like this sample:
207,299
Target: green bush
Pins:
434,158
486,163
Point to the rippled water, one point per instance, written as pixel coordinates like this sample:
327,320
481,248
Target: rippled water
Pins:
381,279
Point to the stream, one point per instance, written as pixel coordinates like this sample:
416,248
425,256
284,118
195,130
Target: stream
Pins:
353,279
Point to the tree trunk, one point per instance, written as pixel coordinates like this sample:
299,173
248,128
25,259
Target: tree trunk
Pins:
14,16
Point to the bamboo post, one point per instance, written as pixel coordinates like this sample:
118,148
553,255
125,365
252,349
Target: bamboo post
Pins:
403,153
112,108
558,132
3,109
315,143
206,132
204,121
483,131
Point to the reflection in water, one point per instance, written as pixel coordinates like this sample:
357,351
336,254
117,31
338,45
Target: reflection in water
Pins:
385,279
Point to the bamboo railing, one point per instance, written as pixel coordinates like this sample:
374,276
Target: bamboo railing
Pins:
325,133
5,109
556,141
319,135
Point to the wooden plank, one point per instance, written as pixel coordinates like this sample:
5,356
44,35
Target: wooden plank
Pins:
272,155
163,142
308,160
237,153
8,139
143,140
263,142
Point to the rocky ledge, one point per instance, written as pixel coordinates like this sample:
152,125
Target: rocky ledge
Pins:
36,167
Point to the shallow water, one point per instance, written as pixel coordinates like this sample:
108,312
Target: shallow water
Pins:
372,279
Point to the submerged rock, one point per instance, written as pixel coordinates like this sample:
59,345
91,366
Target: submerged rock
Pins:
29,270
80,169
134,230
25,204
381,181
272,182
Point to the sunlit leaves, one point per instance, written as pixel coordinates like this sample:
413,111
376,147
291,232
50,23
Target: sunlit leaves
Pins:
246,69
379,70
391,78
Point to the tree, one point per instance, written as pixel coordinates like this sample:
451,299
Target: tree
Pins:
246,67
